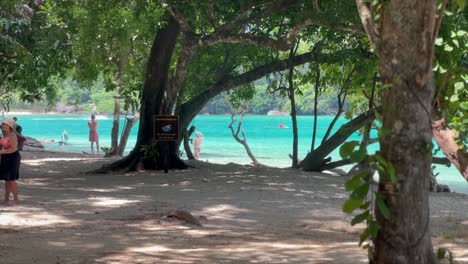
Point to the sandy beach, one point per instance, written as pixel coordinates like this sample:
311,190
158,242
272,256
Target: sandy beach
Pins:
247,215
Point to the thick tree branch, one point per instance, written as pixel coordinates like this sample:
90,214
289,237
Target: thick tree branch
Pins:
341,27
230,82
315,159
246,39
180,73
211,15
244,18
440,16
367,18
179,17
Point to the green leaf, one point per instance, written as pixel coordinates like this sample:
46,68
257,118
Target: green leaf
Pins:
354,182
379,168
373,228
442,69
464,105
350,205
454,98
360,218
364,206
439,41
380,160
448,48
347,148
441,253
383,209
360,192
461,4
364,235
391,172
358,156
383,133
378,116
459,86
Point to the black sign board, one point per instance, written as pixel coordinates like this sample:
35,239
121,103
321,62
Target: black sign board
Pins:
166,127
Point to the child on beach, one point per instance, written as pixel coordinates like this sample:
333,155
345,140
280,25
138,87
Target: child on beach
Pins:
10,159
197,144
93,134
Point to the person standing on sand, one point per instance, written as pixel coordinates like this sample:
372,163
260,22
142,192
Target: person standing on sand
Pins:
10,159
93,134
197,144
64,137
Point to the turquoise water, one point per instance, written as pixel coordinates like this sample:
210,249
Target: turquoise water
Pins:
268,142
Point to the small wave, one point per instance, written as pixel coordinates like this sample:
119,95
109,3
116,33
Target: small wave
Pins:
101,117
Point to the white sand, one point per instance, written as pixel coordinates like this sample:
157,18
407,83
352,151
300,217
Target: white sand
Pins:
249,215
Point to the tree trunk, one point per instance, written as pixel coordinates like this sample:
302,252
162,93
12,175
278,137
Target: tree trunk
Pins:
316,95
405,54
315,160
156,82
188,150
445,138
292,98
116,122
126,132
118,85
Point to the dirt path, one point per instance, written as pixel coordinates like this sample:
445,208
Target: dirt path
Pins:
249,215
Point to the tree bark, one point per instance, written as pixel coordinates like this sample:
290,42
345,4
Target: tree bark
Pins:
190,109
316,96
292,98
188,150
126,132
118,85
445,138
405,50
315,160
116,117
156,83
235,135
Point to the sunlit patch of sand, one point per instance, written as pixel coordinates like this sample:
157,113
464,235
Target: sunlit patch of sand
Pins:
32,218
110,201
39,162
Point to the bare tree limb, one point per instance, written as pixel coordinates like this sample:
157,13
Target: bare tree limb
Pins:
235,134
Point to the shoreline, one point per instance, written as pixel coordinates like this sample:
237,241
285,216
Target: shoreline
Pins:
338,171
22,113
30,112
269,144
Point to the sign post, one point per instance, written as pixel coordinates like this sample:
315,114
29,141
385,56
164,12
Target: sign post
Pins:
166,129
